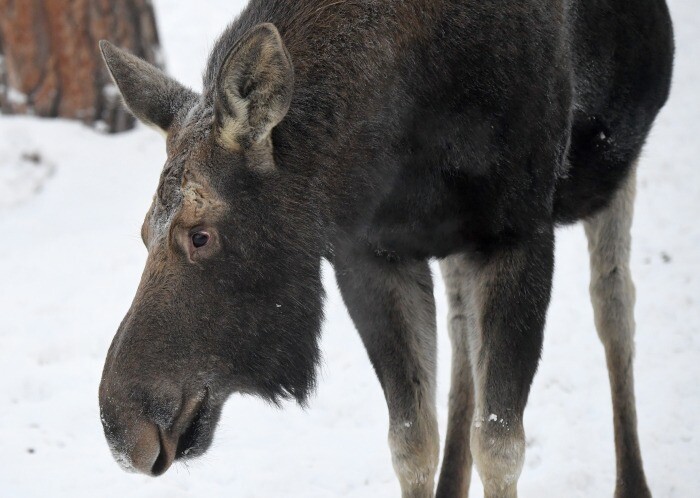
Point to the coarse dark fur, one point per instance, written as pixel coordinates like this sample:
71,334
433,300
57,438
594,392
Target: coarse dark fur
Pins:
376,134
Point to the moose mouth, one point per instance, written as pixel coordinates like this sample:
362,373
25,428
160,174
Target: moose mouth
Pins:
197,436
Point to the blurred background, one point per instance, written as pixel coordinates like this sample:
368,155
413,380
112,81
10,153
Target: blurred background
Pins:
73,193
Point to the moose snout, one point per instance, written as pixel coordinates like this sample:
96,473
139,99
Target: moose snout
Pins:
151,454
147,435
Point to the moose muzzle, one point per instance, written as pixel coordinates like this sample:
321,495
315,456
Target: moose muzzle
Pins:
146,433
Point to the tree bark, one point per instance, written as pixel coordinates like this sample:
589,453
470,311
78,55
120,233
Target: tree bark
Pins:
50,63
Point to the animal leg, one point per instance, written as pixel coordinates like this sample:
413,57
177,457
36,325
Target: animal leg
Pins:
455,474
613,295
392,305
510,289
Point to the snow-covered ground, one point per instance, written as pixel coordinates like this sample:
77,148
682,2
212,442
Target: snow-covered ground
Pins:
71,258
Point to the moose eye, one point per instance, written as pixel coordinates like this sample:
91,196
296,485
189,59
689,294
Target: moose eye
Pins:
200,239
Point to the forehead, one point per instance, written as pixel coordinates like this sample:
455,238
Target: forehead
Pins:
184,182
187,146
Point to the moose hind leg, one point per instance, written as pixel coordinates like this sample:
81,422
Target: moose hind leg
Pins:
455,474
613,295
391,303
510,292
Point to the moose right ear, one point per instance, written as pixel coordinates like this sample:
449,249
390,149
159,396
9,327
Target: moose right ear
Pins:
150,95
254,87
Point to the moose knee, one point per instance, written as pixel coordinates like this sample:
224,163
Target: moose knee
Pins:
415,452
498,449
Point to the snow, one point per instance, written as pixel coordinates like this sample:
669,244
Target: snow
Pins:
16,97
71,259
23,171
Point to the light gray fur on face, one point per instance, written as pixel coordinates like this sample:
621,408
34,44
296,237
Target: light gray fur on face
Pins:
183,191
613,295
185,118
455,475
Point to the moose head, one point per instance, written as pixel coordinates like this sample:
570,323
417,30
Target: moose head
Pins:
230,300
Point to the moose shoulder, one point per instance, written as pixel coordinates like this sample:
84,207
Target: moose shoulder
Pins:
378,135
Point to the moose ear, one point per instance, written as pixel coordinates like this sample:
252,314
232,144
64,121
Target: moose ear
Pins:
254,87
150,95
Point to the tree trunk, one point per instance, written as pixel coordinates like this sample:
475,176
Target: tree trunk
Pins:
50,63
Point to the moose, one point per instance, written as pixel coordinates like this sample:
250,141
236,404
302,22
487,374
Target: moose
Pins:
380,135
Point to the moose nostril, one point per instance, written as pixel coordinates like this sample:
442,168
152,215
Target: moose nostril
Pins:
162,462
147,450
166,456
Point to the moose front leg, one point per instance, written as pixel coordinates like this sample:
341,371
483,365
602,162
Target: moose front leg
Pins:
391,303
455,474
510,290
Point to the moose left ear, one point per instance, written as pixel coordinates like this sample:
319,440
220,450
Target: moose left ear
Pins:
254,87
153,97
